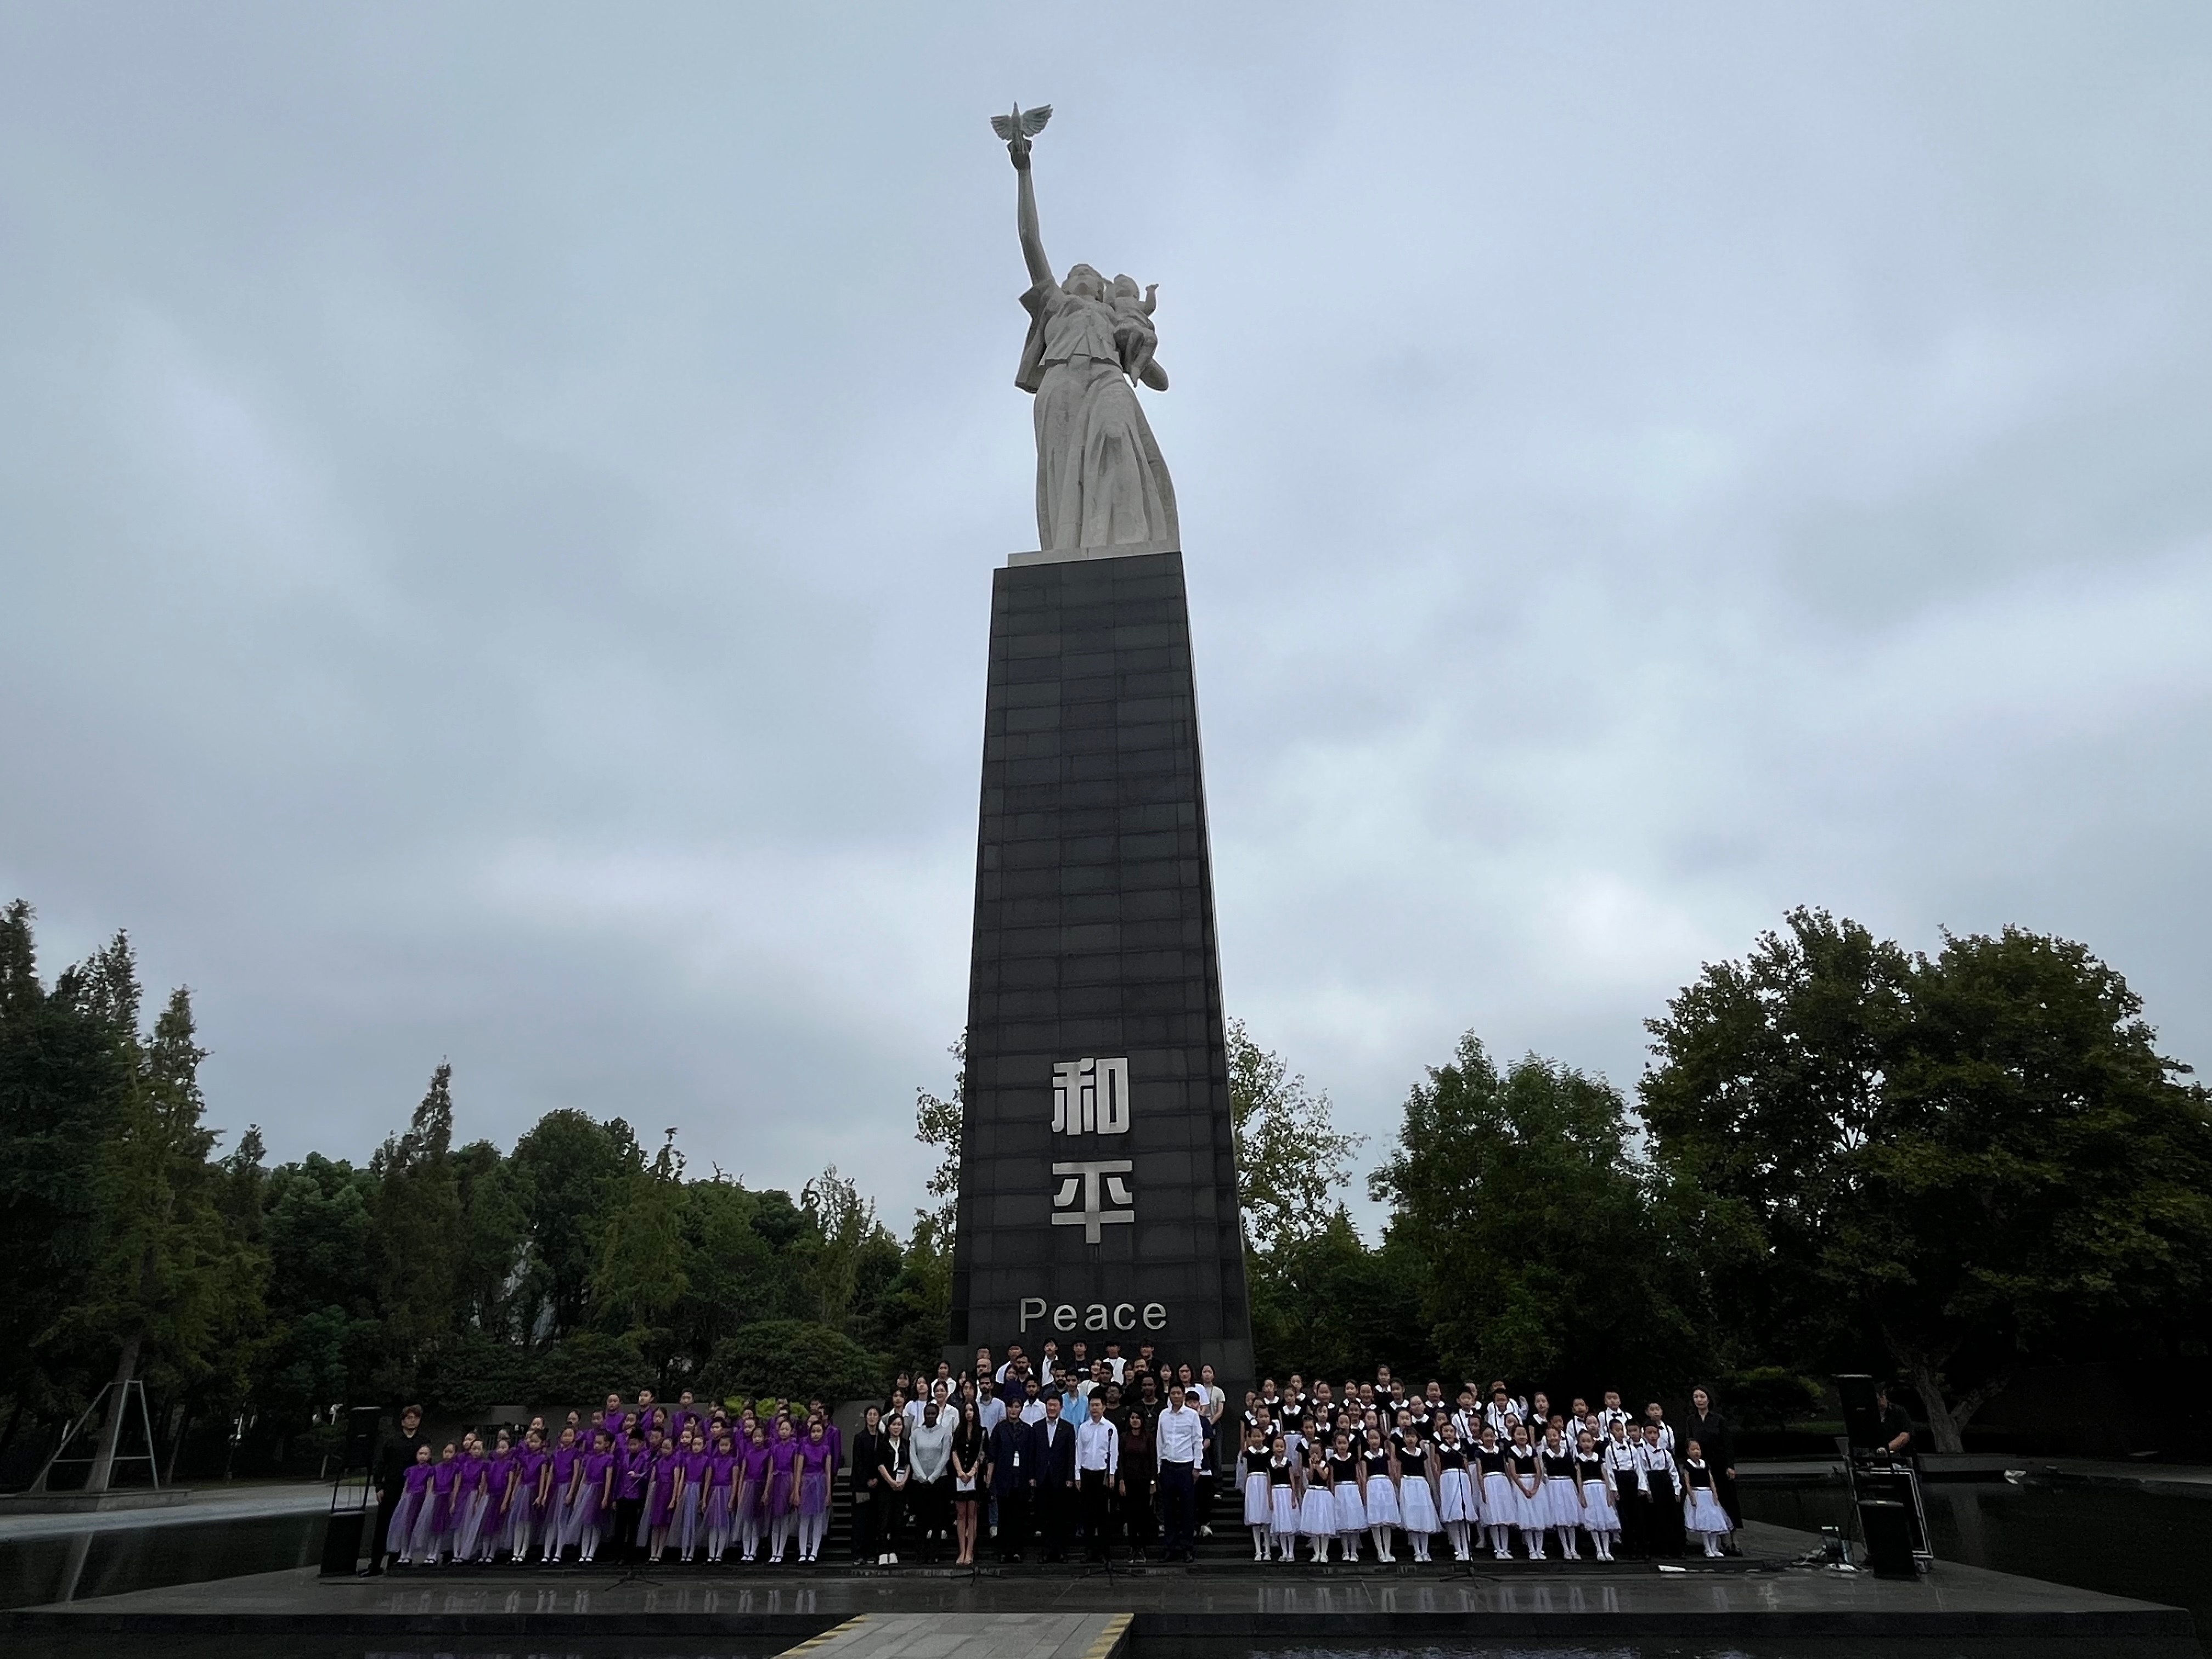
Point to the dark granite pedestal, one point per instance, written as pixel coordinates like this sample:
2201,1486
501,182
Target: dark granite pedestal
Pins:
1098,1176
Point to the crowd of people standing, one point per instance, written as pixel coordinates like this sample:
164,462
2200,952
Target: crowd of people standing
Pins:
1109,1455
1135,1454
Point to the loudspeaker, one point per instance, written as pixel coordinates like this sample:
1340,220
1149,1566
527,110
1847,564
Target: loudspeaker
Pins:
1886,1525
342,1542
1862,1412
360,1436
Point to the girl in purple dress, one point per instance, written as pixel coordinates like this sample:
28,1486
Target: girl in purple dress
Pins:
661,1501
433,1527
561,1515
468,1499
399,1536
523,1509
499,1499
595,1481
692,1506
752,1491
782,1488
721,1476
817,1462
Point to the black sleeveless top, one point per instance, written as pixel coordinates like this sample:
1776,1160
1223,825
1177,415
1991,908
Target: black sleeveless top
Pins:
1279,1474
1450,1457
1524,1463
1491,1460
1378,1465
1697,1476
1591,1468
1558,1466
1341,1468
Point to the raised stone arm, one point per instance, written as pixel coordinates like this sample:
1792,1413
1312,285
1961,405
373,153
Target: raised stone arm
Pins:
1025,213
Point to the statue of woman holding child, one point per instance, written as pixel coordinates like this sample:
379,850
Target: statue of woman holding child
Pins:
1101,481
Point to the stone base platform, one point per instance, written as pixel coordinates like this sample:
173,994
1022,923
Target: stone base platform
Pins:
1174,1612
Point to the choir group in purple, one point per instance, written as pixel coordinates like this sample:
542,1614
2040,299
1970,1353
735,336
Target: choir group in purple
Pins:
637,1481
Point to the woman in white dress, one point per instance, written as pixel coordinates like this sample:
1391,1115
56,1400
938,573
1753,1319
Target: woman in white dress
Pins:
1417,1490
1252,1476
1703,1516
1282,1500
1562,1493
1530,1515
1344,1483
1493,1470
1378,1493
1599,1518
1455,1502
1317,1505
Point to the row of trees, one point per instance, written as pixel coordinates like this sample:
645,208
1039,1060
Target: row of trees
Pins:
1842,1154
251,1299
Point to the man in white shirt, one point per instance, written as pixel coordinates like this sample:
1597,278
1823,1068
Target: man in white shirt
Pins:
1115,1363
1013,1365
990,1410
1180,1439
1097,1465
1032,1402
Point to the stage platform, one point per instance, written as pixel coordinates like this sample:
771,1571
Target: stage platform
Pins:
1216,1607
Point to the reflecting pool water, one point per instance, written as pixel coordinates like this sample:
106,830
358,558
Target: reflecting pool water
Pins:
2099,1538
34,1570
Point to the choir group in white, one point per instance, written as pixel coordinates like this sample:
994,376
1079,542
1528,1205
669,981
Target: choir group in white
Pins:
1509,1472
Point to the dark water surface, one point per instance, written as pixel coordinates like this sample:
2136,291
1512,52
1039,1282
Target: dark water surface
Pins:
2098,1538
104,1562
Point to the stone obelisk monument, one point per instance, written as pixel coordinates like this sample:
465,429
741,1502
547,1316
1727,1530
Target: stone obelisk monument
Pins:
1098,1168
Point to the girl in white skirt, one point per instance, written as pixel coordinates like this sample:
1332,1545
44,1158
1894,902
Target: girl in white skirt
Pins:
1344,1479
1563,1493
1496,1484
1417,1491
1378,1493
1599,1520
1317,1506
1701,1514
1282,1501
1455,1505
1252,1475
1530,1514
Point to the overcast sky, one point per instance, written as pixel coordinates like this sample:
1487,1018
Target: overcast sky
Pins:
497,506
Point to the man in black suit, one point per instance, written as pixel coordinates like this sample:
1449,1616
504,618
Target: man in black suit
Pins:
1054,1440
395,1456
1010,1470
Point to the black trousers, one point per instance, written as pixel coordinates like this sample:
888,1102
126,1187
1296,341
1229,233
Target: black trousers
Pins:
1178,1508
628,1512
1014,1523
388,1505
1666,1524
1097,1513
1635,1522
864,1527
1054,1521
1136,1517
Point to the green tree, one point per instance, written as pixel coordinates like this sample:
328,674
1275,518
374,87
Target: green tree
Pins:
2013,1171
1552,1251
570,1172
641,1279
1290,1160
173,1288
793,1359
1326,1304
494,1228
419,1240
67,1069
